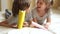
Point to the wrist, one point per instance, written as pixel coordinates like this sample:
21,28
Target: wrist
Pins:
48,23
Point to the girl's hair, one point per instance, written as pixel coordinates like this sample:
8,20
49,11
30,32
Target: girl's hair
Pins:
19,5
49,3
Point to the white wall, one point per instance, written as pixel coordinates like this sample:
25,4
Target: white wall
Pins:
3,4
6,4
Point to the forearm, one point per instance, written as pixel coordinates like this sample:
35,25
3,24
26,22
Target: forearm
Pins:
37,25
4,23
48,21
46,25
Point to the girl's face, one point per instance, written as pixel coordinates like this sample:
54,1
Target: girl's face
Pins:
41,5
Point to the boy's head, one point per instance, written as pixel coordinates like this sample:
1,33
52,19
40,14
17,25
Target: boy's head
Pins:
20,5
24,4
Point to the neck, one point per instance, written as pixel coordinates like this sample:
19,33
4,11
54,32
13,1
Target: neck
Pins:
41,13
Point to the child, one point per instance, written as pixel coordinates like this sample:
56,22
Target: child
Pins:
42,12
18,5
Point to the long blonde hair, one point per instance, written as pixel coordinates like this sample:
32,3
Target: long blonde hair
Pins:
49,3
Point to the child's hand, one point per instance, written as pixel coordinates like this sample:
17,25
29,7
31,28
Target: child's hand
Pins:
14,25
46,25
36,25
25,24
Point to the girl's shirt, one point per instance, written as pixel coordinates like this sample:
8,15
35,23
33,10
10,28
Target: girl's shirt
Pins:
40,20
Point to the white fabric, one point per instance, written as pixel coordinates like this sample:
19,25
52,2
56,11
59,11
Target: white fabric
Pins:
29,31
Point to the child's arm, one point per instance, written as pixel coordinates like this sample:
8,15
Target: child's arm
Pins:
36,25
35,20
4,23
48,22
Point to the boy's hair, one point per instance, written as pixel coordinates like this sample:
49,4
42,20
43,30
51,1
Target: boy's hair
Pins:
19,5
23,4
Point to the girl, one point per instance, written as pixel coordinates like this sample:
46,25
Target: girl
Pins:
18,5
41,12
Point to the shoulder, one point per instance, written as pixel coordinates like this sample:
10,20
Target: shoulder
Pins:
48,13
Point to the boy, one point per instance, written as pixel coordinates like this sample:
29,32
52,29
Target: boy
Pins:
18,5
